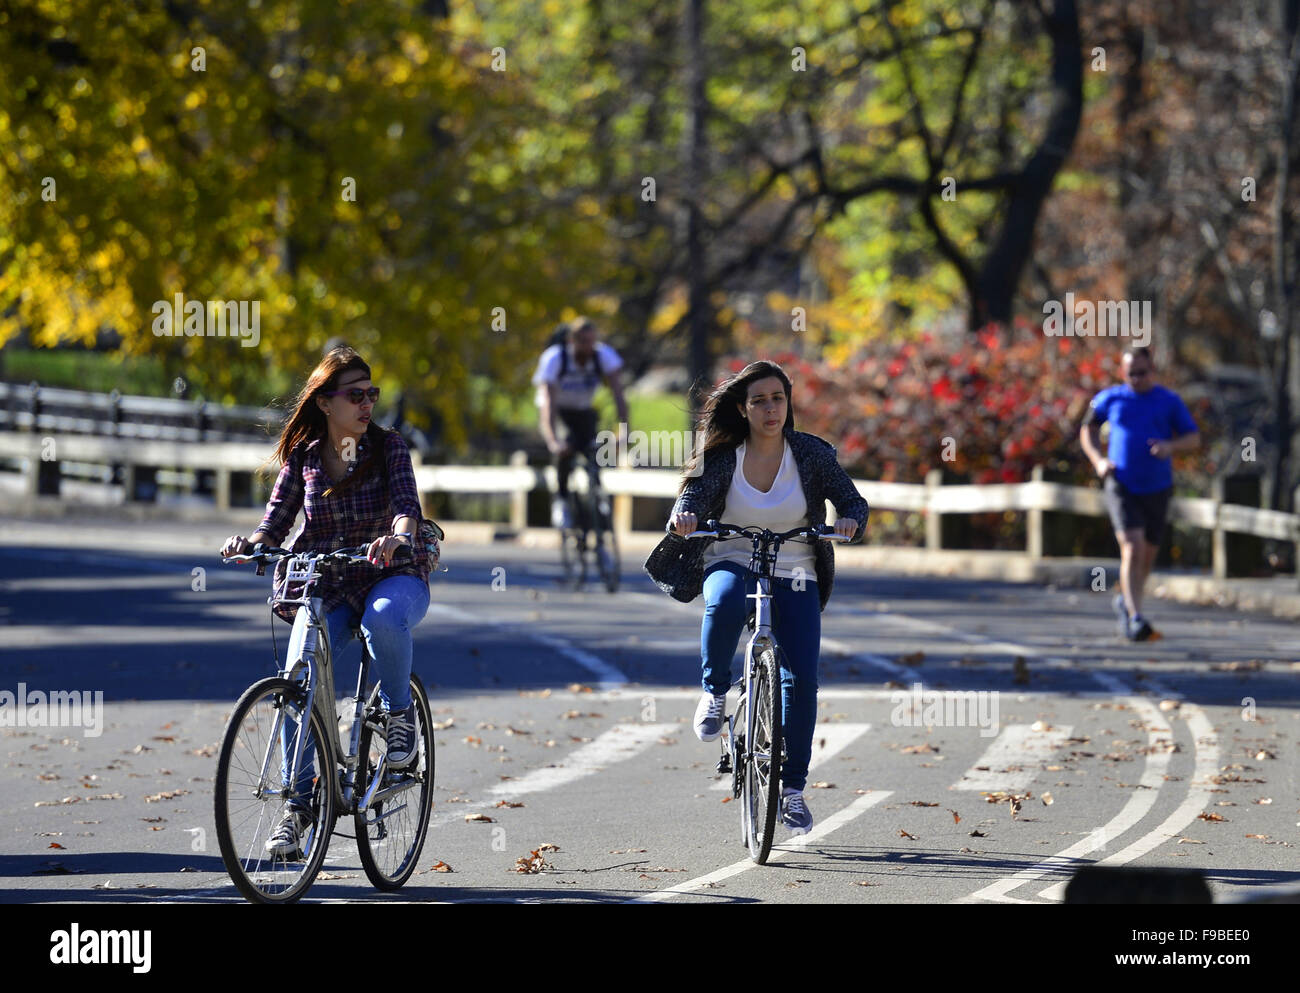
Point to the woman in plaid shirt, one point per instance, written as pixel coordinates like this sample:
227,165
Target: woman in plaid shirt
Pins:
354,483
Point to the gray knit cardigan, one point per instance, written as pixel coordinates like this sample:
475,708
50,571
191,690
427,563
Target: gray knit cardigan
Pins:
677,564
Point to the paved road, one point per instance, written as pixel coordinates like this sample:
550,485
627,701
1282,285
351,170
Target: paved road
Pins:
574,709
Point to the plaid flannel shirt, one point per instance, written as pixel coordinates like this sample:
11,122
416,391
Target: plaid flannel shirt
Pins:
355,517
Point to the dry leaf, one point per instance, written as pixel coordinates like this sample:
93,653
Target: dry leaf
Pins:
823,785
1047,799
54,844
904,834
1210,816
1168,705
1261,837
509,803
956,817
440,866
1264,800
922,749
922,803
483,818
978,834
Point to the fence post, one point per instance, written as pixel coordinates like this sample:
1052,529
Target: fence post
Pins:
933,520
1218,538
45,474
1295,509
1034,521
519,497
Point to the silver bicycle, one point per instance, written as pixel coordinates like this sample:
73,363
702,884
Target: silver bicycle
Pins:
752,742
282,755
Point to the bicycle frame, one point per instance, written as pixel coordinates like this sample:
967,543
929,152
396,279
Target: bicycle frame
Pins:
314,670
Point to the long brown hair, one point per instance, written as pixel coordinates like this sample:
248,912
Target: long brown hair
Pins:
307,422
721,425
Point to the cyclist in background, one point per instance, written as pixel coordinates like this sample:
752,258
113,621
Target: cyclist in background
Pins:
568,374
758,470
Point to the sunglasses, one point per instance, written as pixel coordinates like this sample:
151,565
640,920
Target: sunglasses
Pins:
356,394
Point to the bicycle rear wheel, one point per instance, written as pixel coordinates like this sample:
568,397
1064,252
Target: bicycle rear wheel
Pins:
390,834
762,786
252,792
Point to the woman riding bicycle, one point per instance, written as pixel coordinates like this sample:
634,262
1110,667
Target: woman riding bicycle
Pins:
753,468
354,483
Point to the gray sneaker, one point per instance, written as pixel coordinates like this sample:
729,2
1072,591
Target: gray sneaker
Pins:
401,738
794,812
709,715
286,840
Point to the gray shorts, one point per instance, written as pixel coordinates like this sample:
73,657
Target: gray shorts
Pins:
1146,512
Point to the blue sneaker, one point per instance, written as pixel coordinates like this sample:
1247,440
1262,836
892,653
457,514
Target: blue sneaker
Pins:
794,812
1121,612
709,714
403,743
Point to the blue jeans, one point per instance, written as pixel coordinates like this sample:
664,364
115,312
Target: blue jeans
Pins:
393,607
797,626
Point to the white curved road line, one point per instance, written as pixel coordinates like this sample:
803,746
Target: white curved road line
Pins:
820,830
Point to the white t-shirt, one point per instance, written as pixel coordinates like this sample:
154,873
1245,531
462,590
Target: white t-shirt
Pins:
781,508
575,389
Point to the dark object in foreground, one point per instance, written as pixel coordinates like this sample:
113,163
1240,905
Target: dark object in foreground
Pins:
1100,884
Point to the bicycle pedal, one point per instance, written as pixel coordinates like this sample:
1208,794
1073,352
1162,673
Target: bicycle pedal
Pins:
724,764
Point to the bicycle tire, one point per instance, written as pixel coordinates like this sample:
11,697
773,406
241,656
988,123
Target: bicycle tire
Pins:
245,820
740,763
607,552
763,765
390,840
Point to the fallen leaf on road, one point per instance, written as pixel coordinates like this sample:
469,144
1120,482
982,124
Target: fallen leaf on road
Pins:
443,725
546,846
978,834
472,740
1041,726
153,797
54,844
1264,800
1189,841
1168,705
922,749
532,863
483,818
922,803
440,866
56,803
861,882
1261,837
1265,754
509,803
904,834
1210,816
510,730
580,688
1047,799
823,785
956,817
205,751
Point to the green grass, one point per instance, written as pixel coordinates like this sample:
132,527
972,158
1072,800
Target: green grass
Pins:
97,372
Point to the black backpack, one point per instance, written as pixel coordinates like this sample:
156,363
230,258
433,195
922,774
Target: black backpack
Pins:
560,336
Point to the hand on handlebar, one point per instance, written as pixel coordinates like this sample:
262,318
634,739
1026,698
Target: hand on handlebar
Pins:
236,545
684,523
846,526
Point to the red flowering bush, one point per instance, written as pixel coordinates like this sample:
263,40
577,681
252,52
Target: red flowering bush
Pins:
982,408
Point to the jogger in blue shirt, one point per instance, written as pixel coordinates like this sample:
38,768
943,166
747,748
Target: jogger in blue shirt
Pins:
1148,425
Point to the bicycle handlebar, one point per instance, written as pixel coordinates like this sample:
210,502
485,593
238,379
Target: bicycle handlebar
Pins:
263,555
722,531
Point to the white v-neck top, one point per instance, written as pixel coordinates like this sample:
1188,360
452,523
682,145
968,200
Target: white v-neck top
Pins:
780,508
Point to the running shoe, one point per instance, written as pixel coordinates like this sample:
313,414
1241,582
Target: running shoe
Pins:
1121,613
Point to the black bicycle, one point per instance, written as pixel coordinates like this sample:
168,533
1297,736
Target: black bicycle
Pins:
590,535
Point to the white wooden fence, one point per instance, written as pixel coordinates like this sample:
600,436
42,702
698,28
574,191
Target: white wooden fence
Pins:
225,459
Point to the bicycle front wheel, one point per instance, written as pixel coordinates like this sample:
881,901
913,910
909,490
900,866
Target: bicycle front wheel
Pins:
762,786
391,832
607,554
254,789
